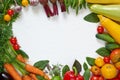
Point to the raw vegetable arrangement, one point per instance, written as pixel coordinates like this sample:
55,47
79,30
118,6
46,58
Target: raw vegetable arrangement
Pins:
14,61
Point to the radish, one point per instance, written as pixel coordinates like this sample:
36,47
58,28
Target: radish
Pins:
46,8
63,8
55,8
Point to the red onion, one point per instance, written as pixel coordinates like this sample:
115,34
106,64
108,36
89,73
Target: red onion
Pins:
34,2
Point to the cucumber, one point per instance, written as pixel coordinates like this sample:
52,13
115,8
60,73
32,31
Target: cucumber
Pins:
112,46
105,37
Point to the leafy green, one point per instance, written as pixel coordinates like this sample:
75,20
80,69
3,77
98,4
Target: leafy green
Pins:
85,66
86,74
103,51
40,77
77,65
65,69
22,53
92,17
1,66
91,61
41,64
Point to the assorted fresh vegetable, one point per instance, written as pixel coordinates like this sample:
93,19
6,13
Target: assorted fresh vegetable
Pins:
104,1
14,61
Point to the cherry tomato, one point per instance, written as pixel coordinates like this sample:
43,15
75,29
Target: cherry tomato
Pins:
115,79
106,59
79,77
101,78
16,46
10,12
94,77
100,29
13,40
7,17
118,76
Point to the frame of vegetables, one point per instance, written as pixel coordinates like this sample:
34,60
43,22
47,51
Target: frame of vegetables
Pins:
14,61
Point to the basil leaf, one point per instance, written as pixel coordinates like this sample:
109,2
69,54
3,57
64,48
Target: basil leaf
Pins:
65,69
85,66
103,51
41,64
86,74
91,61
92,17
77,65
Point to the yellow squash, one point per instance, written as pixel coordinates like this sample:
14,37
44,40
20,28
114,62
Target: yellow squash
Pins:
104,1
112,27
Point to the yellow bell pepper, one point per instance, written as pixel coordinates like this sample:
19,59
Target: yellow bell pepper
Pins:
112,27
104,1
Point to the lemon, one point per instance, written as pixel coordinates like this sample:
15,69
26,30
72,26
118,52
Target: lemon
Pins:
109,71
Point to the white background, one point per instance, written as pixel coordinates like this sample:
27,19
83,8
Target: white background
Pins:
60,39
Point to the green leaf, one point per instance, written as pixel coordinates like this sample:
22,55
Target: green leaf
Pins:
77,65
65,69
22,53
103,51
92,17
85,66
41,64
1,66
91,61
111,46
86,74
40,77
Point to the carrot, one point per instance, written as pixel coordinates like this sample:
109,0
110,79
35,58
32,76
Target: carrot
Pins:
33,76
12,71
35,70
20,58
26,77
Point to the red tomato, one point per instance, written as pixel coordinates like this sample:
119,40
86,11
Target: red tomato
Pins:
16,46
79,77
94,77
100,29
106,59
13,40
10,12
101,78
